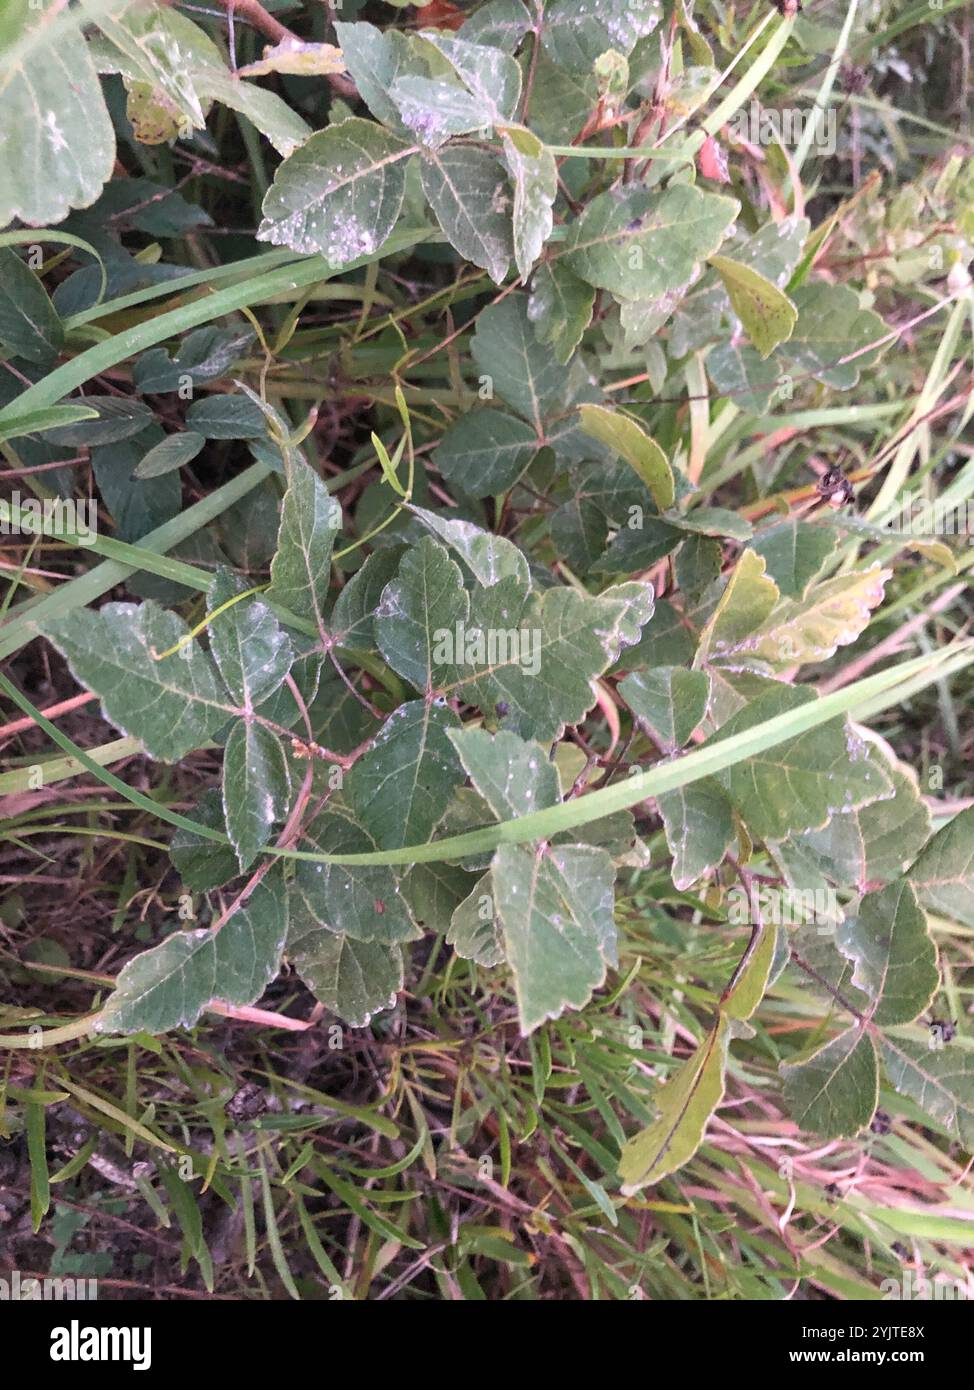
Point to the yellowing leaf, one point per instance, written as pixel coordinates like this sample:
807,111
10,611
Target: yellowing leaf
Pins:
768,316
301,59
631,442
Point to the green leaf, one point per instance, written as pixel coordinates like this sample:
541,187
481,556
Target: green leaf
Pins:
831,326
939,1080
475,931
170,985
560,308
29,324
116,418
895,958
767,315
363,903
518,368
642,245
503,23
684,1106
203,355
435,111
833,1093
375,60
352,619
489,74
171,705
339,194
226,417
421,606
577,32
204,864
698,564
875,843
794,551
310,517
943,875
469,194
750,381
169,455
513,776
669,701
627,438
489,558
541,654
534,175
556,910
251,650
256,787
51,101
699,824
485,452
400,788
355,979
800,783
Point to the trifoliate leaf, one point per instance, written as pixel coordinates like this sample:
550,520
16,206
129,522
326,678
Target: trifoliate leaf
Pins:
400,788
171,704
485,452
470,197
627,438
669,701
339,194
895,958
310,518
642,245
834,1092
556,910
684,1106
170,985
256,787
943,875
768,315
